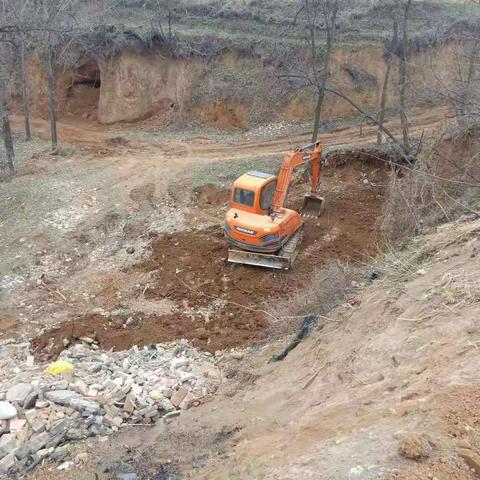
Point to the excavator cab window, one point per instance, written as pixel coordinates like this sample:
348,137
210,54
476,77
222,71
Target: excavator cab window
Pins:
266,197
244,197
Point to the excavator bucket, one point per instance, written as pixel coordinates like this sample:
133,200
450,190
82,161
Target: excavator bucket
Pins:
313,206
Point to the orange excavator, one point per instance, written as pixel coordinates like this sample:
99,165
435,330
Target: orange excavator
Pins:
260,230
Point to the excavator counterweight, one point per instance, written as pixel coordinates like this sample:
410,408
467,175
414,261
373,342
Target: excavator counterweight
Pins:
260,230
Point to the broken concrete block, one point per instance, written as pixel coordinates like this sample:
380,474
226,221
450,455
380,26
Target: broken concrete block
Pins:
186,403
178,396
116,421
35,424
80,387
7,462
8,443
129,405
42,454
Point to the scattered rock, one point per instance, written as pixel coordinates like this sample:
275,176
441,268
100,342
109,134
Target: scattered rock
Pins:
178,396
237,355
8,442
30,400
126,476
7,462
414,447
104,392
7,411
471,458
18,393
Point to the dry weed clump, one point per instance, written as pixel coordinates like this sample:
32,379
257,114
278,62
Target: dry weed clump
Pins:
443,184
324,289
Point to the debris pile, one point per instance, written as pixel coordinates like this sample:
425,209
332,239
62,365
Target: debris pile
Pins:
97,393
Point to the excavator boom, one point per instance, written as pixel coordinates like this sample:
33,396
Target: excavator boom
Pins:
290,164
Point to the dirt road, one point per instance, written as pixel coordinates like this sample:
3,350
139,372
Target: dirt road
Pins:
95,136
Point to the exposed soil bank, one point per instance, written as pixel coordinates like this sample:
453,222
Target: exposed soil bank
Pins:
228,91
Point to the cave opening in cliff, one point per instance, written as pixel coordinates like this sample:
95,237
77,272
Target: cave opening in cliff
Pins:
83,93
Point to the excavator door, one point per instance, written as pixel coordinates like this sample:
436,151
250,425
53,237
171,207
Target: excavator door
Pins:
313,206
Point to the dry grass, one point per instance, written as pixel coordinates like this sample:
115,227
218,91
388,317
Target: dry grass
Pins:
324,290
444,184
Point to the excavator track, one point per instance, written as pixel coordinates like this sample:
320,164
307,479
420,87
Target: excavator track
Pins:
283,260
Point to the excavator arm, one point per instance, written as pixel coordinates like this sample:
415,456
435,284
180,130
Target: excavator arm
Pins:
290,164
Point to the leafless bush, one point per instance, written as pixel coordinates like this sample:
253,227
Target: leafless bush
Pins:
319,294
443,184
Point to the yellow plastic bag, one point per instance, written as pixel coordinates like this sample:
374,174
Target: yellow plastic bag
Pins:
60,368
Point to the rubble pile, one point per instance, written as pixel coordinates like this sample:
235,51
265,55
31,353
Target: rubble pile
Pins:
41,413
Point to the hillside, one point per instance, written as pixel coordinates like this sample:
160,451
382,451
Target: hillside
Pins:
132,347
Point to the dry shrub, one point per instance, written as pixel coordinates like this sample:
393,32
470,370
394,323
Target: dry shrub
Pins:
443,185
320,293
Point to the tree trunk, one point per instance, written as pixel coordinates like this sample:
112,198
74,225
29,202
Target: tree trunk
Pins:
25,93
403,77
383,102
317,113
52,98
7,132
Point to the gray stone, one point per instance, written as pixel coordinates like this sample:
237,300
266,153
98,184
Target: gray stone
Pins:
41,454
78,433
7,411
61,397
30,400
60,453
18,393
59,427
113,421
7,462
170,415
23,452
37,442
8,443
165,405
125,476
84,405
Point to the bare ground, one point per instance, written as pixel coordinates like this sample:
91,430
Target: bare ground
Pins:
357,400
339,404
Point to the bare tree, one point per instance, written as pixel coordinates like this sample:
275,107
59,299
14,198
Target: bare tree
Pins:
406,4
319,19
162,13
6,130
6,30
389,56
